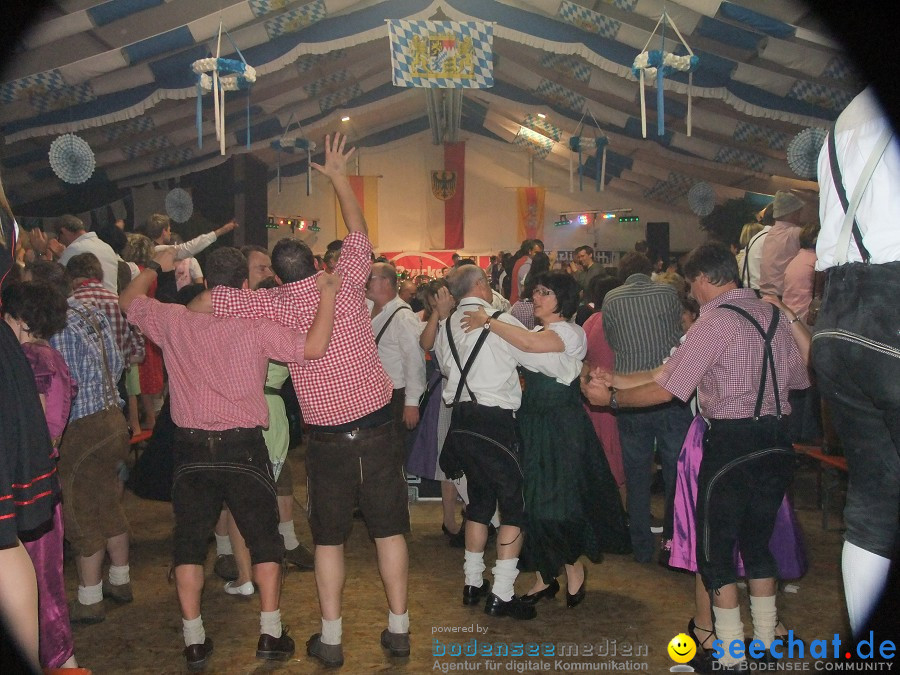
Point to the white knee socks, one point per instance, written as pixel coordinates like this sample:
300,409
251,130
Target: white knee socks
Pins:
505,573
765,616
728,628
473,568
865,575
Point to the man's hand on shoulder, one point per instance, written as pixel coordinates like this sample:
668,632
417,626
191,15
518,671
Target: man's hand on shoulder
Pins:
328,283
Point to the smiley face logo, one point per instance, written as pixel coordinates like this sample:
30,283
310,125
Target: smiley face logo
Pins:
682,648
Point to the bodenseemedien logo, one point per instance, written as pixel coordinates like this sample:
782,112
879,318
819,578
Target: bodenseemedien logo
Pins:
681,649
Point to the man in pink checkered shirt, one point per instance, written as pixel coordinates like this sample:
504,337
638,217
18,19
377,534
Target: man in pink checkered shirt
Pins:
351,458
742,357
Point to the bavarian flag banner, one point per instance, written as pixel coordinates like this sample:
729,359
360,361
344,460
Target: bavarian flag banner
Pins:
442,54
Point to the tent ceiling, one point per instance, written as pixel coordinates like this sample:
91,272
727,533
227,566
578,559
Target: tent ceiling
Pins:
118,74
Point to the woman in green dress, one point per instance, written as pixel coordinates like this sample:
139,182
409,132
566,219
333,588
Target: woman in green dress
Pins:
572,503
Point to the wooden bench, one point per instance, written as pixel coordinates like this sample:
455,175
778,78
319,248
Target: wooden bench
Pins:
830,473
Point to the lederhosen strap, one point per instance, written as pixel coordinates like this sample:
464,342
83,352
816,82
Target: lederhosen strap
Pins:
464,370
745,272
388,323
109,389
768,357
838,179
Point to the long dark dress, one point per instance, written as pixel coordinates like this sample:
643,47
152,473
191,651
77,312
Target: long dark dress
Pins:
572,504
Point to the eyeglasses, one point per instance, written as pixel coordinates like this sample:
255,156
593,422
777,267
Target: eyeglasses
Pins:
543,291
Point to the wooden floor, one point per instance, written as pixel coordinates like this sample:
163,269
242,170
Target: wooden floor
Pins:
630,608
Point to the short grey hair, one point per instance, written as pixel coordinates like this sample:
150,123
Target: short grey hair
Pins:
462,280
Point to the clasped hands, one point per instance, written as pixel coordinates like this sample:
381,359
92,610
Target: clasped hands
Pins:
595,386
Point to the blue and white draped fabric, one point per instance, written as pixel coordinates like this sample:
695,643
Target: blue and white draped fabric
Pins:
580,143
532,141
442,54
542,126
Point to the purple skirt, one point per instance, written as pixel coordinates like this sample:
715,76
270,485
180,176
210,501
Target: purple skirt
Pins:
786,543
56,645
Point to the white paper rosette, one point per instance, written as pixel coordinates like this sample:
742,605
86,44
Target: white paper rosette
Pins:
803,152
179,205
702,198
72,159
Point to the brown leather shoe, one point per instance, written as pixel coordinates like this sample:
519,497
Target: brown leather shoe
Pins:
79,613
197,655
119,593
275,648
301,556
396,643
331,656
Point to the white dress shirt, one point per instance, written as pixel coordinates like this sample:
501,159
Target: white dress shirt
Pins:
493,377
190,248
89,242
753,258
399,350
857,130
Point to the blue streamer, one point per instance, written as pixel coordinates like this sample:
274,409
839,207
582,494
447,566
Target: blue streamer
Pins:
660,105
199,114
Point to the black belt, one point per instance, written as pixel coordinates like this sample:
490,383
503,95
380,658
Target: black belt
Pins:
203,435
272,391
354,435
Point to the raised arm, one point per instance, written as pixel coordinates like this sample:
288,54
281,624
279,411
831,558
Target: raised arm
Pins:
319,334
542,342
194,246
335,168
141,284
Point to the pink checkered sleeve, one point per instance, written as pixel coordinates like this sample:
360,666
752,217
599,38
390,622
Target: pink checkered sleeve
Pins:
280,343
356,260
152,317
246,304
703,346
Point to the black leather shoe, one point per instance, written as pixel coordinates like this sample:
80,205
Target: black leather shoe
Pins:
514,608
472,594
575,599
275,648
549,592
457,540
330,656
197,655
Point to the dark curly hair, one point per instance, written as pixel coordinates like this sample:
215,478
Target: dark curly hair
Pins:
565,288
40,305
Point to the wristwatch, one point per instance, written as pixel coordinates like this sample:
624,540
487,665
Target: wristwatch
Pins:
613,403
487,324
155,266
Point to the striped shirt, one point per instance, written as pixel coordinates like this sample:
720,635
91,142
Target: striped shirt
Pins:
79,345
642,322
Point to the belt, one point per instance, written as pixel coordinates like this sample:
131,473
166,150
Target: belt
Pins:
201,435
354,435
272,391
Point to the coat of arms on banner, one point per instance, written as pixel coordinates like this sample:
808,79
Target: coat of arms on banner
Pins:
442,54
443,184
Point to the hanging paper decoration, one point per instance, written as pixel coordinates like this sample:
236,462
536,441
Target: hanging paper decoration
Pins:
179,205
582,144
72,159
218,75
803,152
702,198
658,63
291,144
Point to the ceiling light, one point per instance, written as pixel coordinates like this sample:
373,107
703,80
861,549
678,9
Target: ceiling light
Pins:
345,118
541,115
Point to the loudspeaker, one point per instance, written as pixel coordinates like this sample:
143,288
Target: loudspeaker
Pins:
658,241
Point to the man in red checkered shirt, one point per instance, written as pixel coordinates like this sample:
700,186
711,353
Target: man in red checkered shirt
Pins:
742,358
351,458
219,411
